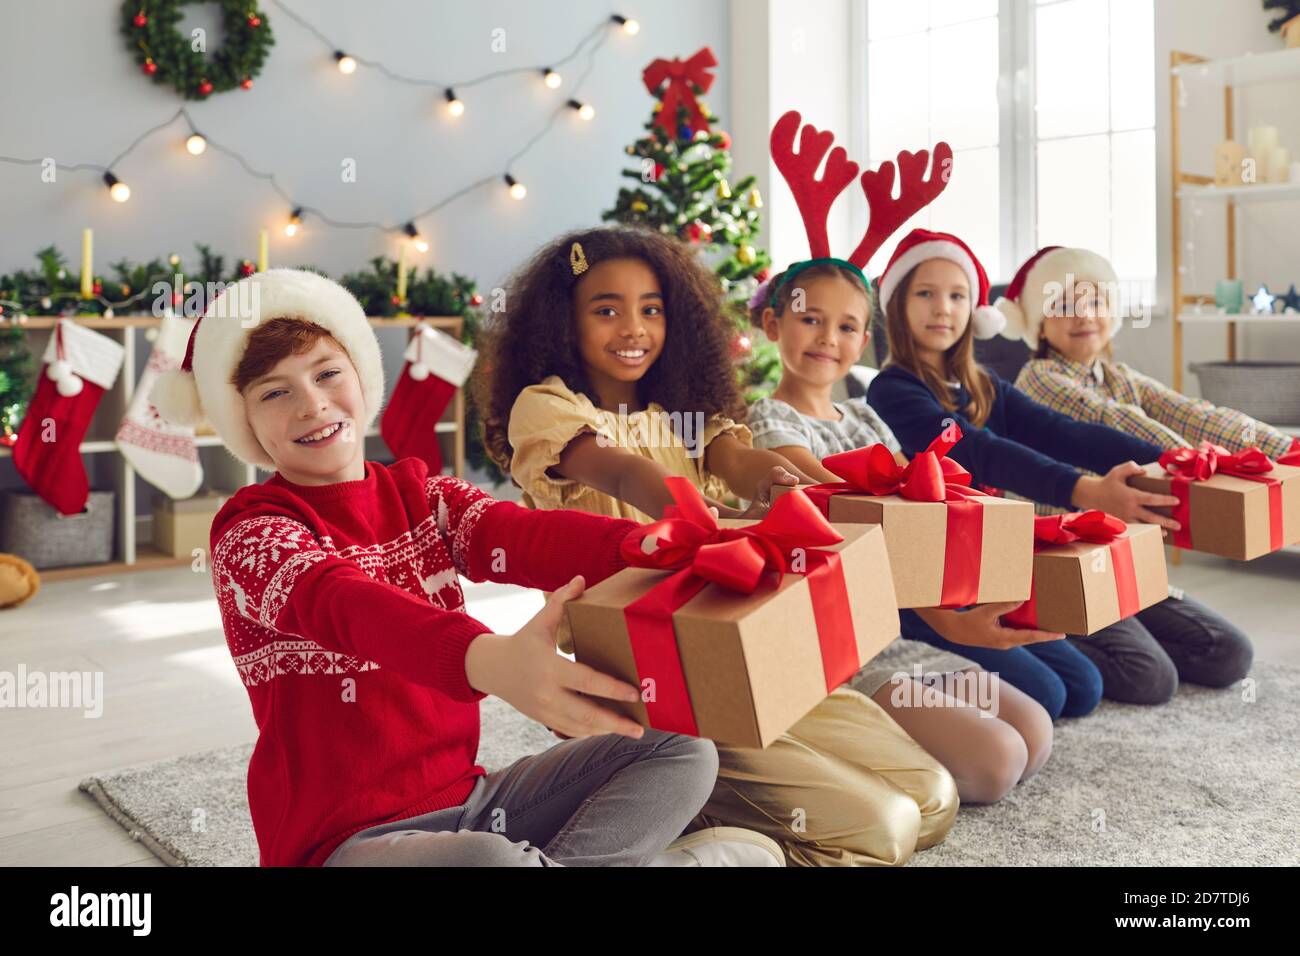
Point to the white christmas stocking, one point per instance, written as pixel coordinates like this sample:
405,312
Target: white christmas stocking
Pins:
80,365
163,453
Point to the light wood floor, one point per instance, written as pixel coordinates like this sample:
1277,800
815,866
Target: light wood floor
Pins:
170,689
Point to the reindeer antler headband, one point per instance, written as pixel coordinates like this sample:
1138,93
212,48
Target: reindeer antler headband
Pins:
815,196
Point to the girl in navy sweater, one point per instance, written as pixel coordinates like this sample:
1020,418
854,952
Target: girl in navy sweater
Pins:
1011,442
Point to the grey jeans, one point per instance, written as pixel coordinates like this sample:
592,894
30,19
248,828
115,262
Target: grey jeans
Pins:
591,801
1143,658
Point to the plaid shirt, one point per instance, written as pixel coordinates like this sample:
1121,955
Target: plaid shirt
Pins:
1114,394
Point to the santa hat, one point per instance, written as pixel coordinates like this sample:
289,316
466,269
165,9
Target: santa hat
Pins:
1040,281
201,389
921,245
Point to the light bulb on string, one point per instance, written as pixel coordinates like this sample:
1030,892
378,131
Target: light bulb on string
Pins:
454,106
630,26
517,189
585,110
295,220
346,64
196,144
551,78
421,245
119,190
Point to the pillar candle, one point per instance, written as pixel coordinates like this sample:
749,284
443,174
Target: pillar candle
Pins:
1279,160
261,250
87,269
401,275
1261,139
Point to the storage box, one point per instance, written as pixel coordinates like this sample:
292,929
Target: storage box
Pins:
752,663
182,526
1083,586
916,536
34,530
1232,516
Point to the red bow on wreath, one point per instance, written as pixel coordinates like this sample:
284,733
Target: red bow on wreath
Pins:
684,78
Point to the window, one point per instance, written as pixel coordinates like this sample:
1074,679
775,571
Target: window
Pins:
1071,161
932,74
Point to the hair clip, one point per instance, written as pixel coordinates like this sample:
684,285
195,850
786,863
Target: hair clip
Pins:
577,259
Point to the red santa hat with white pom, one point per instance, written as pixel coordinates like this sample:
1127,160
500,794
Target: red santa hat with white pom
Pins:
921,245
1043,279
201,389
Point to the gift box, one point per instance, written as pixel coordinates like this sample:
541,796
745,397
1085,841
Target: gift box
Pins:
735,629
181,526
1236,506
1090,570
949,544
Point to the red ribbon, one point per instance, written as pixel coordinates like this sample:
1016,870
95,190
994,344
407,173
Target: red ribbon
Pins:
929,476
1292,455
1096,526
683,77
688,540
1186,465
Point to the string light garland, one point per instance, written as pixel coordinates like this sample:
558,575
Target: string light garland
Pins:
197,143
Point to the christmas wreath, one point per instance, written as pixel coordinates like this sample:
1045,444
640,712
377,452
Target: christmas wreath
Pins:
169,57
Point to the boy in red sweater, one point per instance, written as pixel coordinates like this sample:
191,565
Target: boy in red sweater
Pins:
337,581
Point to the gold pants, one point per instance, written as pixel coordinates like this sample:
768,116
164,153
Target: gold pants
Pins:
846,786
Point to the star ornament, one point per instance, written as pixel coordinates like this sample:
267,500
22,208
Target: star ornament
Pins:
1291,301
1263,301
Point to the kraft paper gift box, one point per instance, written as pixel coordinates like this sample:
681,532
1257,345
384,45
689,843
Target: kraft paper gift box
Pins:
1091,570
1236,506
949,545
721,644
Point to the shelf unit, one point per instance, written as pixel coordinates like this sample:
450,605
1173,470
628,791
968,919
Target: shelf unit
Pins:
1232,72
223,473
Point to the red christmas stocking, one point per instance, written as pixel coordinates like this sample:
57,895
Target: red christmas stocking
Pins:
436,365
80,365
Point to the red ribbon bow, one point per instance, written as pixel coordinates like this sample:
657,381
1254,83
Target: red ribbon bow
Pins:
930,476
1186,465
688,540
1095,526
684,77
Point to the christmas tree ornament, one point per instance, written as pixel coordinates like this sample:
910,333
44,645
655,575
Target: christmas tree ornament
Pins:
80,366
755,199
723,191
746,254
436,365
162,453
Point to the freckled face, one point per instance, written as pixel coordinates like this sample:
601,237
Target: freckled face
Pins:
306,412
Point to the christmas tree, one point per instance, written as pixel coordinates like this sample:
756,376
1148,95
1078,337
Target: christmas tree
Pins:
684,187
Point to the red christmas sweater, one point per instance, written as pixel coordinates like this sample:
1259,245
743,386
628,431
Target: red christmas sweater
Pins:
344,616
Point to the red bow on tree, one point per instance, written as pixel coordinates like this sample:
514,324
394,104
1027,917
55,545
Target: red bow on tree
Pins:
684,78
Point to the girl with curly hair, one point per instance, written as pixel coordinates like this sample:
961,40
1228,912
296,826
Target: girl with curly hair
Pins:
610,370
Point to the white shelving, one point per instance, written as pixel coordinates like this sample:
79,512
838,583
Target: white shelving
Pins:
1256,192
1281,318
1244,70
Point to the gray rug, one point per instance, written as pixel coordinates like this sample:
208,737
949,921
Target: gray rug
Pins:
1208,779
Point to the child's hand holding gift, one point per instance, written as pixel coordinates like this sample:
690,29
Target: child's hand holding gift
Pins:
524,670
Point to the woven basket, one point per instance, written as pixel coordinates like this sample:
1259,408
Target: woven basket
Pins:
33,530
1267,391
